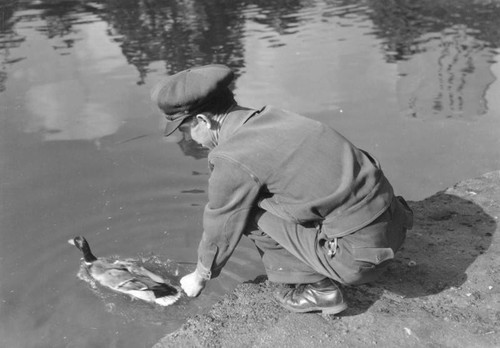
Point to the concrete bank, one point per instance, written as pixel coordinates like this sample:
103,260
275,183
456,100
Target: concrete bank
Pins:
443,289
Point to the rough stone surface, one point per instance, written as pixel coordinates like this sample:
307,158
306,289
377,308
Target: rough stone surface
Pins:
442,290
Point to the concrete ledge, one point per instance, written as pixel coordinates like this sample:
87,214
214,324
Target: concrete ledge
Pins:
443,289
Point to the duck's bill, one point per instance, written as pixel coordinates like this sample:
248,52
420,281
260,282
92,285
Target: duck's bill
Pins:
71,241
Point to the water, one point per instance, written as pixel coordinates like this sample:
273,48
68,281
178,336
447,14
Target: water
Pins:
416,84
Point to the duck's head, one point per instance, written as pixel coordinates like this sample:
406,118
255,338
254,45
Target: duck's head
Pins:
82,244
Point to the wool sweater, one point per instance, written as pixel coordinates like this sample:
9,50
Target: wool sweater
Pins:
294,167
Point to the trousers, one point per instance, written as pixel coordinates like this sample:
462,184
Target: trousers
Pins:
296,254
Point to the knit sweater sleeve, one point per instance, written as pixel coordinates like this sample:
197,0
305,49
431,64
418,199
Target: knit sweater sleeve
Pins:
232,193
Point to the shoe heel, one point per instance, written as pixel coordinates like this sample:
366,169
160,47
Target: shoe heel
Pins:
334,310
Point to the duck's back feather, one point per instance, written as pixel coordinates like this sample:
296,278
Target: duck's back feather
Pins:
134,280
127,277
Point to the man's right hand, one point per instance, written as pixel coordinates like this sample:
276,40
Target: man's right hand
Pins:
193,284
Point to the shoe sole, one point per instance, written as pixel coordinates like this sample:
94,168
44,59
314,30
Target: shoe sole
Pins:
325,310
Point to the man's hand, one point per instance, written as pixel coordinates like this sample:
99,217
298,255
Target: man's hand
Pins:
192,284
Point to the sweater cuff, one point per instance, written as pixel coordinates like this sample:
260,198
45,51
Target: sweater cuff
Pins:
203,272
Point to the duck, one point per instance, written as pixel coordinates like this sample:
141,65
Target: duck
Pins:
127,277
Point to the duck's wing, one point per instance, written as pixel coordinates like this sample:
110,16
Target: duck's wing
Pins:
161,294
139,271
111,277
132,284
121,279
118,274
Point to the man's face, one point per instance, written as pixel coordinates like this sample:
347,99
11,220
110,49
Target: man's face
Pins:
199,130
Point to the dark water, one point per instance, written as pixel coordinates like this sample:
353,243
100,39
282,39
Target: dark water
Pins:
413,82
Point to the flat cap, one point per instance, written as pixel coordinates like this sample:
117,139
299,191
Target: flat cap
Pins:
182,94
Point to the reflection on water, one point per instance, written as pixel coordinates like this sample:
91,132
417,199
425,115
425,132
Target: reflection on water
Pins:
448,79
81,152
444,51
63,81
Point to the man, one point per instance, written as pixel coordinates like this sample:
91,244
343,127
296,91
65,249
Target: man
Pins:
319,210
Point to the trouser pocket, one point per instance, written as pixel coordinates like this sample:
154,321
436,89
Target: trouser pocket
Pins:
369,263
367,258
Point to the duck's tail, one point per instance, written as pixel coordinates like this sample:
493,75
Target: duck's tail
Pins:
166,294
163,290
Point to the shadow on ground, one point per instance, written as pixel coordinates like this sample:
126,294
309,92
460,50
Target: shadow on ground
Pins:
450,232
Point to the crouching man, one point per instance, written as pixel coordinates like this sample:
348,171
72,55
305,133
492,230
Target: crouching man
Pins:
319,210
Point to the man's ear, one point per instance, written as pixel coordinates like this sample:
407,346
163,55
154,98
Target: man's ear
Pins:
205,120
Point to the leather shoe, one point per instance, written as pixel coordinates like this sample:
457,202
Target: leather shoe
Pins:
322,296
